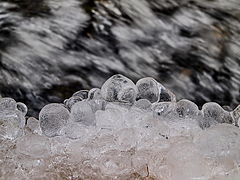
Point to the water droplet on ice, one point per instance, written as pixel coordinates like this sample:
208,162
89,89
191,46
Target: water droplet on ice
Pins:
53,117
22,108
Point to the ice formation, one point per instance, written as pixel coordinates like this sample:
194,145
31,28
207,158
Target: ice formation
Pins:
121,131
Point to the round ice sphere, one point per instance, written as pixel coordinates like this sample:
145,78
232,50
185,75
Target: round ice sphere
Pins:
7,104
143,104
53,117
148,88
83,113
186,109
22,108
222,140
213,113
82,93
94,93
71,101
119,88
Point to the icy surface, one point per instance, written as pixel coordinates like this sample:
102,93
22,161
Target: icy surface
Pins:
121,131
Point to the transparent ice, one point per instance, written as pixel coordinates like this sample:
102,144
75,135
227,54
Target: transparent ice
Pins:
53,117
119,88
82,112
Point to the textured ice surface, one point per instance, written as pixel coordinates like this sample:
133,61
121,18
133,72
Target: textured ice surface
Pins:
110,135
53,117
119,88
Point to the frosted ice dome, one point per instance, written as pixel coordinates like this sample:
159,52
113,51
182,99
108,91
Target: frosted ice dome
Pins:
121,131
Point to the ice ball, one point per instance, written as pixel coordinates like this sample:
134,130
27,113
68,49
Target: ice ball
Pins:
119,88
53,117
148,88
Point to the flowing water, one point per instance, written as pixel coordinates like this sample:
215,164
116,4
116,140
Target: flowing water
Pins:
52,48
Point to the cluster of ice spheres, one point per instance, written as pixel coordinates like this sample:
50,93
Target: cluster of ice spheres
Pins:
121,131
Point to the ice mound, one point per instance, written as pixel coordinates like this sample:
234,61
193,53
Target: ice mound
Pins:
120,131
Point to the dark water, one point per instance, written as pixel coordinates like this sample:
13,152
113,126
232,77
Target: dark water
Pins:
50,49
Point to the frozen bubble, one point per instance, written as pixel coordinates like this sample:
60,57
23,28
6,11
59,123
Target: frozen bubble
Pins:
82,94
7,104
143,104
53,117
213,113
187,109
119,88
94,93
236,116
22,108
83,113
222,140
71,101
164,109
11,124
148,88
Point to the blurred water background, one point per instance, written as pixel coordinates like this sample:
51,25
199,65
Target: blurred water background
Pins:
52,48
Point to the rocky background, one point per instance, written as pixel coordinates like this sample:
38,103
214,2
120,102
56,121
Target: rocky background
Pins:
50,49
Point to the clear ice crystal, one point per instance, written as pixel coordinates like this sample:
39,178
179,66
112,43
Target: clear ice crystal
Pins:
119,88
213,113
22,108
187,109
7,104
53,117
82,112
148,88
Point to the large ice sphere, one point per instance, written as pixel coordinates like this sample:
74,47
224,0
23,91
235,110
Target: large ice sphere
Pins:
53,117
71,101
82,94
94,93
119,88
222,140
187,109
83,113
148,88
11,124
7,104
236,116
213,113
